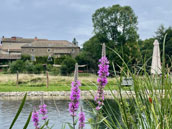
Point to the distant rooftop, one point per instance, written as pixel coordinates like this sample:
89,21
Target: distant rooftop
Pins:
20,39
50,44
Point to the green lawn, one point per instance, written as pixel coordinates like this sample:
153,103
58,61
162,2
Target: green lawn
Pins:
56,83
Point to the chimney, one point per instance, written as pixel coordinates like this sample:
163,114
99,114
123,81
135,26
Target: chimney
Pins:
14,38
36,38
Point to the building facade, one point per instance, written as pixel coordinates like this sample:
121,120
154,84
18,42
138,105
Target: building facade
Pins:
55,48
12,48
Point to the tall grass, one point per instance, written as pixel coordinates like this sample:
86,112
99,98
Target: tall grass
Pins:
148,104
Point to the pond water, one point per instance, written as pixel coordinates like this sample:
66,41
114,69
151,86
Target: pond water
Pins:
57,113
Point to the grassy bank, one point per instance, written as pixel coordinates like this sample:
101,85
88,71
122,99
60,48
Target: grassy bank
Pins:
33,82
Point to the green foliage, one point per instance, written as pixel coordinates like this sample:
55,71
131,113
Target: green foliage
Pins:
146,48
168,46
18,112
117,27
53,70
17,66
67,66
28,121
41,59
29,67
84,58
25,58
90,53
59,60
116,23
38,68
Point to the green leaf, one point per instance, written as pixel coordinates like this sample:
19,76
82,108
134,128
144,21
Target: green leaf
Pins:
70,126
46,123
52,127
63,126
76,121
19,111
28,120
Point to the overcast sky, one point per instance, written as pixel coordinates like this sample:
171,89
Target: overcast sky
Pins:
65,19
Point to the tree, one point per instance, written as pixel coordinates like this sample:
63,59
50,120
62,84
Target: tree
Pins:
146,48
160,33
67,66
115,26
91,52
17,65
117,23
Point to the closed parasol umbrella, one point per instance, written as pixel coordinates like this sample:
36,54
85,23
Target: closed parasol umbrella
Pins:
156,61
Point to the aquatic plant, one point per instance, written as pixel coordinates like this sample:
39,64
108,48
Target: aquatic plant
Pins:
43,111
74,96
35,118
81,119
103,72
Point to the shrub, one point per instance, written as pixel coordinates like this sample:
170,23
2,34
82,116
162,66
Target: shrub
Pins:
53,70
50,61
41,59
67,66
59,60
17,66
38,68
29,67
25,58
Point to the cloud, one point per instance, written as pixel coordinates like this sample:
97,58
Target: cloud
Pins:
65,19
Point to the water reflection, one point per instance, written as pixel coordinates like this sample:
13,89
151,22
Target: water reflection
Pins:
57,113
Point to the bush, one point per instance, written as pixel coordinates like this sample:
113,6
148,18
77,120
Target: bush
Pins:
18,65
25,58
41,59
59,60
29,67
38,68
53,70
44,60
67,66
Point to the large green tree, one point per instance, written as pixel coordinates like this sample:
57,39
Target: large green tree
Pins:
116,23
117,27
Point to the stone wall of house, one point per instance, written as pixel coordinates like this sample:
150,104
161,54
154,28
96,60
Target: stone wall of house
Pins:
57,52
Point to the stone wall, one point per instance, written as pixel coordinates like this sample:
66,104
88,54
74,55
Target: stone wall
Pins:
61,95
50,51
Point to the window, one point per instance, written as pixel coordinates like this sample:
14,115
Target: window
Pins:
48,50
32,50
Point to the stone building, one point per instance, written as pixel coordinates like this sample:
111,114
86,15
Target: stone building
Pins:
55,48
12,48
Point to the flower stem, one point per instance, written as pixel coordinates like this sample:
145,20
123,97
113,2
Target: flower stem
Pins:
73,117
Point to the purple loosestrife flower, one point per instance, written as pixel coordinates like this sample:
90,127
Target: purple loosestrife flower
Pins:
75,94
35,118
81,119
43,111
102,78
